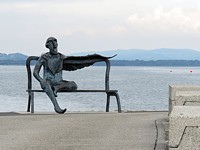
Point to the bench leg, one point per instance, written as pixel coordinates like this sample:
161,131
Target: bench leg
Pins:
108,102
30,107
32,102
118,102
29,102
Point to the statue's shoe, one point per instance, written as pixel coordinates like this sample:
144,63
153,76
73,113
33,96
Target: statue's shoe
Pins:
61,111
55,94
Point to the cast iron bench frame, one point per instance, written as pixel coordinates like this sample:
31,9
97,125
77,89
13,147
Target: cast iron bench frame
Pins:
109,92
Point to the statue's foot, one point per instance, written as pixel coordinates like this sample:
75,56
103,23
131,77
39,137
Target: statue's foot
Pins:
55,94
60,111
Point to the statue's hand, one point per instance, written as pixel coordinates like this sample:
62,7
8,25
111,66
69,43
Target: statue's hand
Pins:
43,84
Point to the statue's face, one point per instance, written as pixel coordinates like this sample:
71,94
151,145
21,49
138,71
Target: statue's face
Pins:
52,45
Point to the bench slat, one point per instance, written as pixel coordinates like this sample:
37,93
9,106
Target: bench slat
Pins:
108,91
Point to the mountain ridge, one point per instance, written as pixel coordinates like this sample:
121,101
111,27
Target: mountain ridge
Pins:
13,56
129,54
155,54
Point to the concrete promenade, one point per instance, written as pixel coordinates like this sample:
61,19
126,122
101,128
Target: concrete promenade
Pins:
83,131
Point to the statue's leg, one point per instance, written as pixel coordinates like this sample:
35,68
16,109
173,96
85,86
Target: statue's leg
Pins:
50,94
65,86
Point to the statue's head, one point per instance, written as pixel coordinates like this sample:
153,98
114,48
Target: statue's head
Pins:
52,45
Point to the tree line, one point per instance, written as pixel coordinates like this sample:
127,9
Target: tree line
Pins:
125,62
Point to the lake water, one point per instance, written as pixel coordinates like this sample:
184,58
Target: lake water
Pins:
140,88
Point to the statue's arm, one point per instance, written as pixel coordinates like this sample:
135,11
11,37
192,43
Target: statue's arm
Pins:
36,71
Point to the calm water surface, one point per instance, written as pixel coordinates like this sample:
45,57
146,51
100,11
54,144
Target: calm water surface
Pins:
140,88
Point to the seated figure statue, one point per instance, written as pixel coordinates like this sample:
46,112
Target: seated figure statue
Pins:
53,64
52,81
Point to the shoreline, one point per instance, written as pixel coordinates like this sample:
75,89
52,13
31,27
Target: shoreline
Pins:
76,112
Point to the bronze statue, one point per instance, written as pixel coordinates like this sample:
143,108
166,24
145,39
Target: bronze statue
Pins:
53,63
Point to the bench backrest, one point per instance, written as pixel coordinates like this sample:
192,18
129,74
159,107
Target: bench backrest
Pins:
29,73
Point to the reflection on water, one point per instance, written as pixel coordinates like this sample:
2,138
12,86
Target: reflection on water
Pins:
140,88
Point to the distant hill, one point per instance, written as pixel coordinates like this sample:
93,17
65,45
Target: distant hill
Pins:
12,56
12,59
131,54
134,57
157,54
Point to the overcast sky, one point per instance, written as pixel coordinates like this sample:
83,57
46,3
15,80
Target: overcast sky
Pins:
98,25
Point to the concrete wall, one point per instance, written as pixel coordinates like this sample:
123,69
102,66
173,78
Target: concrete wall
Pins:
184,128
181,94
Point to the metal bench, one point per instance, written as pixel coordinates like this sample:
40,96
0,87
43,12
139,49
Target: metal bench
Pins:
109,92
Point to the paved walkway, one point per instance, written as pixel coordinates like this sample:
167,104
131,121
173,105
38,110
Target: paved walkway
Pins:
83,131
